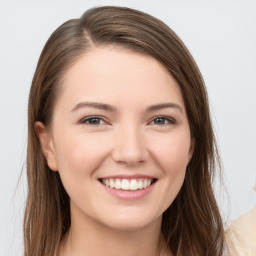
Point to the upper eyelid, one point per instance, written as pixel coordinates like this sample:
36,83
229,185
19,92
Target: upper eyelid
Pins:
165,117
84,119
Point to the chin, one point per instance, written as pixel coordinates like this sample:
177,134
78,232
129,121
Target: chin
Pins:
131,222
127,226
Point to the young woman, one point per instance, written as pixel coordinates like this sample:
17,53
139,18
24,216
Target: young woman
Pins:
121,151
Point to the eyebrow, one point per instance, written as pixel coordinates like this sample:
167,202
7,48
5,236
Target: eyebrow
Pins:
164,105
110,108
96,105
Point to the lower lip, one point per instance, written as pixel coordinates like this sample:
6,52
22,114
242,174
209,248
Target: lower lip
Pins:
129,194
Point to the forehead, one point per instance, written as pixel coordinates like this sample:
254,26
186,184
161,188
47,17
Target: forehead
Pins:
106,73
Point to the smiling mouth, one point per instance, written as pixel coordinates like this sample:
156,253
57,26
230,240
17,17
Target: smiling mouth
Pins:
128,184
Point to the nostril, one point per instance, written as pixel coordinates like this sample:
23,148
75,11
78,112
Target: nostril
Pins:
129,147
129,158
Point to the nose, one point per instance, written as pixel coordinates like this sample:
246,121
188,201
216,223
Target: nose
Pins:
129,147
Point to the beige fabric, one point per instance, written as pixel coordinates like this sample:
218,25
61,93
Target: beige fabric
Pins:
241,235
225,251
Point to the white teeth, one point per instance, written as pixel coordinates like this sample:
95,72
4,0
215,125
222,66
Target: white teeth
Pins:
126,184
118,184
145,183
133,185
140,184
111,183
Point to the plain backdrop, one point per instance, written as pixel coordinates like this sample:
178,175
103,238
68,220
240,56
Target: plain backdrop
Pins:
221,36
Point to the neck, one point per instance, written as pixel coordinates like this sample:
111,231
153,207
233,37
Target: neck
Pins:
89,238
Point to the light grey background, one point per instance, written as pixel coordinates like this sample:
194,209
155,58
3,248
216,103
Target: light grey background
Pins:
221,36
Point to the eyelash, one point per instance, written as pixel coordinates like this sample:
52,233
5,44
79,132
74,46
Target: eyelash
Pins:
99,118
88,119
168,119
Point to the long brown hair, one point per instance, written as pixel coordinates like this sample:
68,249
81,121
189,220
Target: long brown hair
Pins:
192,223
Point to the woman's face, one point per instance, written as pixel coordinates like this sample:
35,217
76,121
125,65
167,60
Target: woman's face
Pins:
120,138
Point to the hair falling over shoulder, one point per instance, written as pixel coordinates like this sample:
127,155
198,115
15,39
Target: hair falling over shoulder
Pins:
192,224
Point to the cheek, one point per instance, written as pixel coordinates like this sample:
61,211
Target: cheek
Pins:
172,153
79,158
81,154
174,165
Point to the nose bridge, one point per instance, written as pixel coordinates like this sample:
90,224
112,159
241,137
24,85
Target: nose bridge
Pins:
129,144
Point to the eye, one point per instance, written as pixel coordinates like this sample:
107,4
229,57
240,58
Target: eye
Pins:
93,120
162,120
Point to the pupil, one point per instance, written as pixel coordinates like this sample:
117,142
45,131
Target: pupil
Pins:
94,121
159,120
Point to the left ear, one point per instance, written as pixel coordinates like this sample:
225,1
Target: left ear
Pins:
191,150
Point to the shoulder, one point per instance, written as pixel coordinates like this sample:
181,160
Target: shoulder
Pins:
240,236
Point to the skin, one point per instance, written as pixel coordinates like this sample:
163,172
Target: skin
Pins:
130,140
